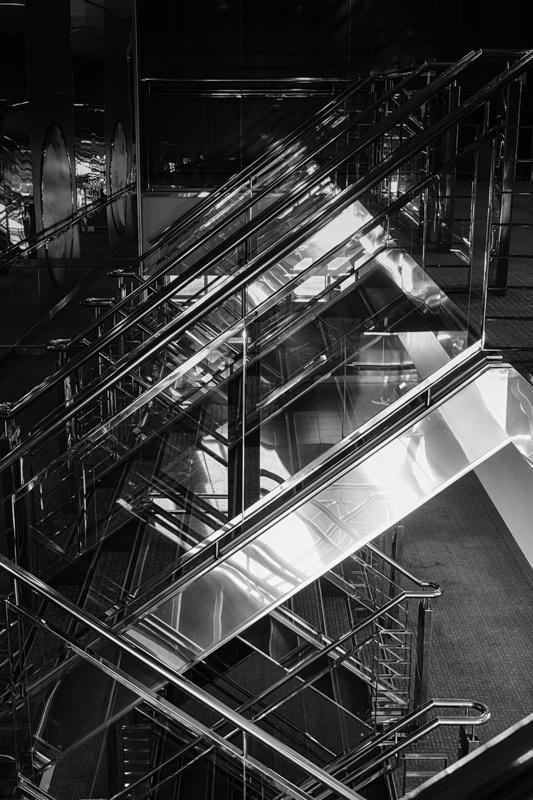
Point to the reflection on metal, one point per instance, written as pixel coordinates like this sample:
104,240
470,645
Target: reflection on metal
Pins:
367,499
57,197
90,156
17,220
118,175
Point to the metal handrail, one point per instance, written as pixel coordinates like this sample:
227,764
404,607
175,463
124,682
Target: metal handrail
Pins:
240,723
283,204
213,298
190,316
254,169
349,760
225,542
264,261
313,658
281,147
399,568
57,228
168,675
366,228
500,768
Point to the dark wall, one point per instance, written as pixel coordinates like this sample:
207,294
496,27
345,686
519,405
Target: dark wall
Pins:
455,27
192,137
275,39
326,38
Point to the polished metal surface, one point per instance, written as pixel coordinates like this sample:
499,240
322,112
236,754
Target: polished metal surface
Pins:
327,211
151,696
365,501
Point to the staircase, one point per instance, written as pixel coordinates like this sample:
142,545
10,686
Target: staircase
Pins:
187,485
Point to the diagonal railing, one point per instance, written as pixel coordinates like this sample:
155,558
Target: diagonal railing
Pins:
191,274
110,665
25,248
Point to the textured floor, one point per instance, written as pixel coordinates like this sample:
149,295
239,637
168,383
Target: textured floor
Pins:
483,623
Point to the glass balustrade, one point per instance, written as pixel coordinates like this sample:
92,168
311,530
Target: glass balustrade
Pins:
76,689
243,393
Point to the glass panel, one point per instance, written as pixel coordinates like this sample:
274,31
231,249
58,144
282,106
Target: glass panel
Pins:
204,396
65,702
293,550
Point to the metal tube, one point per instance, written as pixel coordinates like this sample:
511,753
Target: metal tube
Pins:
169,675
328,210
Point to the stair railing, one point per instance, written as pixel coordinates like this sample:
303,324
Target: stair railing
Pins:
443,124
120,646
354,767
299,192
359,767
25,248
230,538
10,409
73,408
34,440
113,455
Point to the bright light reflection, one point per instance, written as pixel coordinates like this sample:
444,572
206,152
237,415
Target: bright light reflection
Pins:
289,536
401,461
337,230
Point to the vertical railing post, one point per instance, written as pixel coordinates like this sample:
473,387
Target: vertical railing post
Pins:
447,203
489,242
76,479
468,741
16,508
16,661
498,274
423,654
397,544
65,389
19,643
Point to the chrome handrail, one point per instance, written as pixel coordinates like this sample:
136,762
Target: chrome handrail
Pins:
219,294
168,675
364,230
283,204
264,261
311,659
204,305
399,568
225,542
240,723
502,767
349,760
57,228
279,148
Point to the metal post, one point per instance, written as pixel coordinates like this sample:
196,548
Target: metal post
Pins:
468,742
423,654
16,659
16,508
448,199
500,258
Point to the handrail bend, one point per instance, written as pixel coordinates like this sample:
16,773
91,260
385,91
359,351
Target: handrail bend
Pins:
356,761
